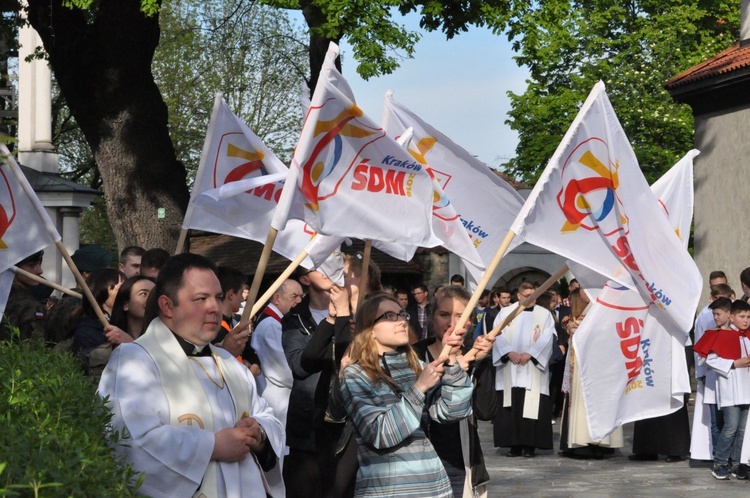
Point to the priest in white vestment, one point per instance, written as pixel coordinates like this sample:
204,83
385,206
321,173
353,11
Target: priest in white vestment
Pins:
521,356
195,423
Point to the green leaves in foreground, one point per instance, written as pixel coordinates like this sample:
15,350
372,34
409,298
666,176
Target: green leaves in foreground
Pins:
54,425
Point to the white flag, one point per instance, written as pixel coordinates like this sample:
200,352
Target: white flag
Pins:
237,189
485,203
674,191
348,178
446,224
633,367
25,227
593,206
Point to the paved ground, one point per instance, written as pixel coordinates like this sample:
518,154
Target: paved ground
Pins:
551,475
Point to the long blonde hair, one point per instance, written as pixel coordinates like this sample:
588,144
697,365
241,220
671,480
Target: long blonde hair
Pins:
364,350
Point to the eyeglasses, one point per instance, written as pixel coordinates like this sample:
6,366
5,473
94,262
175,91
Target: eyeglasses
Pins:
416,293
392,316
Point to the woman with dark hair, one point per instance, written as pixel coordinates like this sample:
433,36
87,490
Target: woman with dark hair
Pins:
453,441
92,341
386,390
130,305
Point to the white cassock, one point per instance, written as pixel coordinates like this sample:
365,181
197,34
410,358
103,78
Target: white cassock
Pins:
530,332
176,456
701,446
733,387
266,341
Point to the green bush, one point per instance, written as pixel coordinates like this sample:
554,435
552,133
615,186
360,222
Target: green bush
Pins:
53,437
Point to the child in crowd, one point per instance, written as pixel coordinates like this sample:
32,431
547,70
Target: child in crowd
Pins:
727,352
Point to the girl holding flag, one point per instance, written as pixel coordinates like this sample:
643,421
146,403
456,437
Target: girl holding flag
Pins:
386,389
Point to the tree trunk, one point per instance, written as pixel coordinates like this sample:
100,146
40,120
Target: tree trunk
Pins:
318,44
101,59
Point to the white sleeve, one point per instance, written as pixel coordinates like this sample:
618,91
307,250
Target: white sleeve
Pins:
501,347
266,341
720,365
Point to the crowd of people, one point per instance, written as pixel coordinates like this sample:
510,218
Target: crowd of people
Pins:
338,389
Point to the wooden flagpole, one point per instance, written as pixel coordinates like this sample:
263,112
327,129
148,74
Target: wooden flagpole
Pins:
538,292
260,270
256,307
364,279
483,283
52,231
82,283
181,241
43,281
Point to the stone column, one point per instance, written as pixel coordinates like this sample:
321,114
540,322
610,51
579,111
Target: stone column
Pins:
35,148
71,217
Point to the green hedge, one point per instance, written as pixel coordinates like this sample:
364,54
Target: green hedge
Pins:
53,436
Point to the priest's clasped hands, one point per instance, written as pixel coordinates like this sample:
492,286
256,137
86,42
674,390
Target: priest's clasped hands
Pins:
234,443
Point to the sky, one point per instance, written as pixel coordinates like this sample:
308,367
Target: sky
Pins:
458,86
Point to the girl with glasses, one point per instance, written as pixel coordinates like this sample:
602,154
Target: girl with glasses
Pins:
386,391
455,440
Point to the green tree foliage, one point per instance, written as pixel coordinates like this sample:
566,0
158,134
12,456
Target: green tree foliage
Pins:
378,41
251,53
634,47
54,425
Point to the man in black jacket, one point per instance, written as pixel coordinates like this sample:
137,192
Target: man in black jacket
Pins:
307,332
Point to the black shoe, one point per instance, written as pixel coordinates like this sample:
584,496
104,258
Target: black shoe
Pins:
673,458
513,454
721,472
529,453
740,472
643,457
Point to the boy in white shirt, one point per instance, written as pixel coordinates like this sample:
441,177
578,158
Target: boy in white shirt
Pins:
727,352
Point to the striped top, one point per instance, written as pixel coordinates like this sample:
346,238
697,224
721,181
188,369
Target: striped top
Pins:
395,456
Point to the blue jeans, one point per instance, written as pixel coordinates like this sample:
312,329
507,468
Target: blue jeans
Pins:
729,445
717,423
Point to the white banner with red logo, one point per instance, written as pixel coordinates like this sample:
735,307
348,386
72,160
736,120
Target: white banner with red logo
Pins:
348,178
25,227
485,204
446,223
593,206
237,189
632,366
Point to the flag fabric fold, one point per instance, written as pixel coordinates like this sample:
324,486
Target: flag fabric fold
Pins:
446,224
25,226
348,178
632,360
593,206
485,204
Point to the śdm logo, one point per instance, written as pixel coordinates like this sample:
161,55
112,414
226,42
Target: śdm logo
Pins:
7,208
251,164
328,150
424,145
589,192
